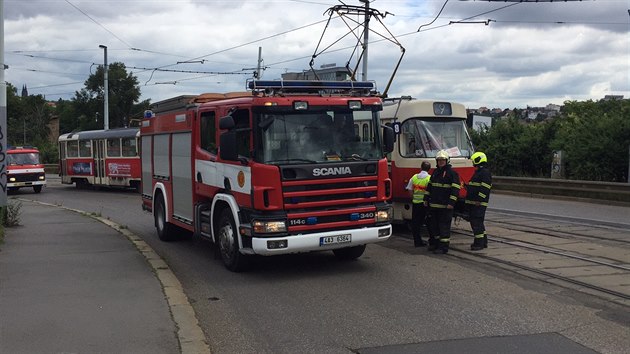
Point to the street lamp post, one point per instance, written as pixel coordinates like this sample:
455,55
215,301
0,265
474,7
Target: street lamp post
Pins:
105,90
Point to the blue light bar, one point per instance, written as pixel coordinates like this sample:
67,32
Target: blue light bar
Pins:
310,85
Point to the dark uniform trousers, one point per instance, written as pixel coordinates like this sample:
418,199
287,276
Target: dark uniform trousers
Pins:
440,220
418,220
477,217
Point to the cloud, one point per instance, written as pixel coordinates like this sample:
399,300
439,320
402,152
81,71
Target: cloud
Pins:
528,54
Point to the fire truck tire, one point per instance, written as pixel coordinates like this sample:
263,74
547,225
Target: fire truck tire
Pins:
228,243
349,253
165,230
37,189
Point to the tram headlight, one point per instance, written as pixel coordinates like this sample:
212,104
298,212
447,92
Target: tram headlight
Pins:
267,227
384,215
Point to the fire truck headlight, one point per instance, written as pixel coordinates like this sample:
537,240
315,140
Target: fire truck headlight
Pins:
354,105
300,105
384,215
265,227
42,177
11,179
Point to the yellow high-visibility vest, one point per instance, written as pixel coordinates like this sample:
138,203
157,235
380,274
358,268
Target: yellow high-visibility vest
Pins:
419,188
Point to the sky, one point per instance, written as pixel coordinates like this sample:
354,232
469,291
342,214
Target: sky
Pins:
479,53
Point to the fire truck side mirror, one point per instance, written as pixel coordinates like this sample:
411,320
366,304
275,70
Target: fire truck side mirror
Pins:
227,147
388,139
226,122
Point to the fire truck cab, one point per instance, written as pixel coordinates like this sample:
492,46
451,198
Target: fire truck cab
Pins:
24,169
275,170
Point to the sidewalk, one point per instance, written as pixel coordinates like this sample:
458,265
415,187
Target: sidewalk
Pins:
71,284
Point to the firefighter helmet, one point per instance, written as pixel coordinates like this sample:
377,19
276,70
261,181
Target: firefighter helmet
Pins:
442,154
478,158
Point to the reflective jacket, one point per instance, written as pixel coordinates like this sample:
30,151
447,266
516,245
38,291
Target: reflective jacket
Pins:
479,187
419,186
443,188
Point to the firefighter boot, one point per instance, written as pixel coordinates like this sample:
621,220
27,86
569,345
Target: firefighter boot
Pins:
477,244
485,241
442,247
432,244
417,242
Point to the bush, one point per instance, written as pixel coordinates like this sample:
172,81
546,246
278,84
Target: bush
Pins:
11,214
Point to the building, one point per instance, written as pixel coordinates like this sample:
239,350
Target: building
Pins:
327,72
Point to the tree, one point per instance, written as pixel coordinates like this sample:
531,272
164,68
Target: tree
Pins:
595,137
27,118
123,94
515,148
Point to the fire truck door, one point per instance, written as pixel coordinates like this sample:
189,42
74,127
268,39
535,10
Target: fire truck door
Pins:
99,161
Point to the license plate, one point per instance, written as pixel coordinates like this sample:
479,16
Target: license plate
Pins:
334,240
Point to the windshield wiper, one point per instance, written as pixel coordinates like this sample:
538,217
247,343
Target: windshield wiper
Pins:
355,157
292,161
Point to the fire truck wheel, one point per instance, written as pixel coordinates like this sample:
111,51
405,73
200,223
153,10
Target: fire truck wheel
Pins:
228,243
349,253
165,230
37,189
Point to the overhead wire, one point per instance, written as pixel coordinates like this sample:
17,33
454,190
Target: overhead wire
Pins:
161,68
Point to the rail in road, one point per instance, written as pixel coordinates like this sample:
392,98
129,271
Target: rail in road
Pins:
584,255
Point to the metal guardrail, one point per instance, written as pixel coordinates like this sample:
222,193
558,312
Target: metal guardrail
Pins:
51,169
602,191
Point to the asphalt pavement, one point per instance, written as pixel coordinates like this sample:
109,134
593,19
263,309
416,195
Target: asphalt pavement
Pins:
77,283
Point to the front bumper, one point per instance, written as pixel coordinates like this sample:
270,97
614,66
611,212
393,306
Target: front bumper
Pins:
311,242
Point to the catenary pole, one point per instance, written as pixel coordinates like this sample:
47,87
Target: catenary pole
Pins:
3,114
105,89
366,27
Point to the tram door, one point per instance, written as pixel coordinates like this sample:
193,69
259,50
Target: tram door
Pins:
99,161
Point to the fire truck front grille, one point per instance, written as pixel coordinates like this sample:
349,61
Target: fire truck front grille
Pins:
325,194
26,177
330,204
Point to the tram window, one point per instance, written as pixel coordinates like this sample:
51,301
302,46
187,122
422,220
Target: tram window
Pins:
129,147
73,148
113,147
208,132
85,148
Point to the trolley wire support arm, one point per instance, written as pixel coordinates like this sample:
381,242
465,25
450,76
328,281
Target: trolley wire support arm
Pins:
344,12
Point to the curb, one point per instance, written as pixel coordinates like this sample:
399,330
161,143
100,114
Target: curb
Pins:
189,334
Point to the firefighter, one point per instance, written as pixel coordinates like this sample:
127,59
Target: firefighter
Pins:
441,196
417,187
477,196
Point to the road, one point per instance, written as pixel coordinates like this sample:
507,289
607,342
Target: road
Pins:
394,299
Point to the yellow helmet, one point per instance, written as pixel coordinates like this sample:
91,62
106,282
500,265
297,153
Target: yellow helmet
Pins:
442,154
478,158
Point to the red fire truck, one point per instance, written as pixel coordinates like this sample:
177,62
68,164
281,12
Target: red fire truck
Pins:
275,170
24,169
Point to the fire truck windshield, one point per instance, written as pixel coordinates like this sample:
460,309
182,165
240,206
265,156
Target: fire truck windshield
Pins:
26,158
311,137
425,137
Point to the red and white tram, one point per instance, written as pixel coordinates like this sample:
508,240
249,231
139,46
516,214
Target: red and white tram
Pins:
424,127
100,158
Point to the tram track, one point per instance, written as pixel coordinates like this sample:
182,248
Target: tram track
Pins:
588,257
524,221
